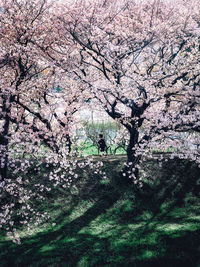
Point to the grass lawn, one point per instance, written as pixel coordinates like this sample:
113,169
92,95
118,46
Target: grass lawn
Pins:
88,149
108,224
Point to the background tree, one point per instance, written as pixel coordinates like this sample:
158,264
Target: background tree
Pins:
115,136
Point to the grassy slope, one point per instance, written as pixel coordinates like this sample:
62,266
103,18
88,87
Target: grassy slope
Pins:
106,224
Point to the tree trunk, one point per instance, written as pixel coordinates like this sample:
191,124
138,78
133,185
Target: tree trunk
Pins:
132,159
69,143
4,135
4,149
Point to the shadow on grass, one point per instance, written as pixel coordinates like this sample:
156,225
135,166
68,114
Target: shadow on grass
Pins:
30,250
76,249
169,242
118,231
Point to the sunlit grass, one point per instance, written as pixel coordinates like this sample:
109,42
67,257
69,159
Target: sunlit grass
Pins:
106,236
110,226
88,149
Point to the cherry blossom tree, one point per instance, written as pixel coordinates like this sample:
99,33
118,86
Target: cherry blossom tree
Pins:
34,129
29,101
19,68
140,60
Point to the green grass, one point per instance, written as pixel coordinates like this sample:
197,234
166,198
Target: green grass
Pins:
110,224
88,149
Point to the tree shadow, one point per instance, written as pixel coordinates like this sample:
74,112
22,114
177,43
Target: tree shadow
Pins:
86,249
73,244
176,179
31,246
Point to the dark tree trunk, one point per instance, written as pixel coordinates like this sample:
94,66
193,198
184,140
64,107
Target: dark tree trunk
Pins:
132,159
133,140
4,143
4,135
69,143
4,157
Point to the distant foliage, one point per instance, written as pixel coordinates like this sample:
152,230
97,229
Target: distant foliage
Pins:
113,133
